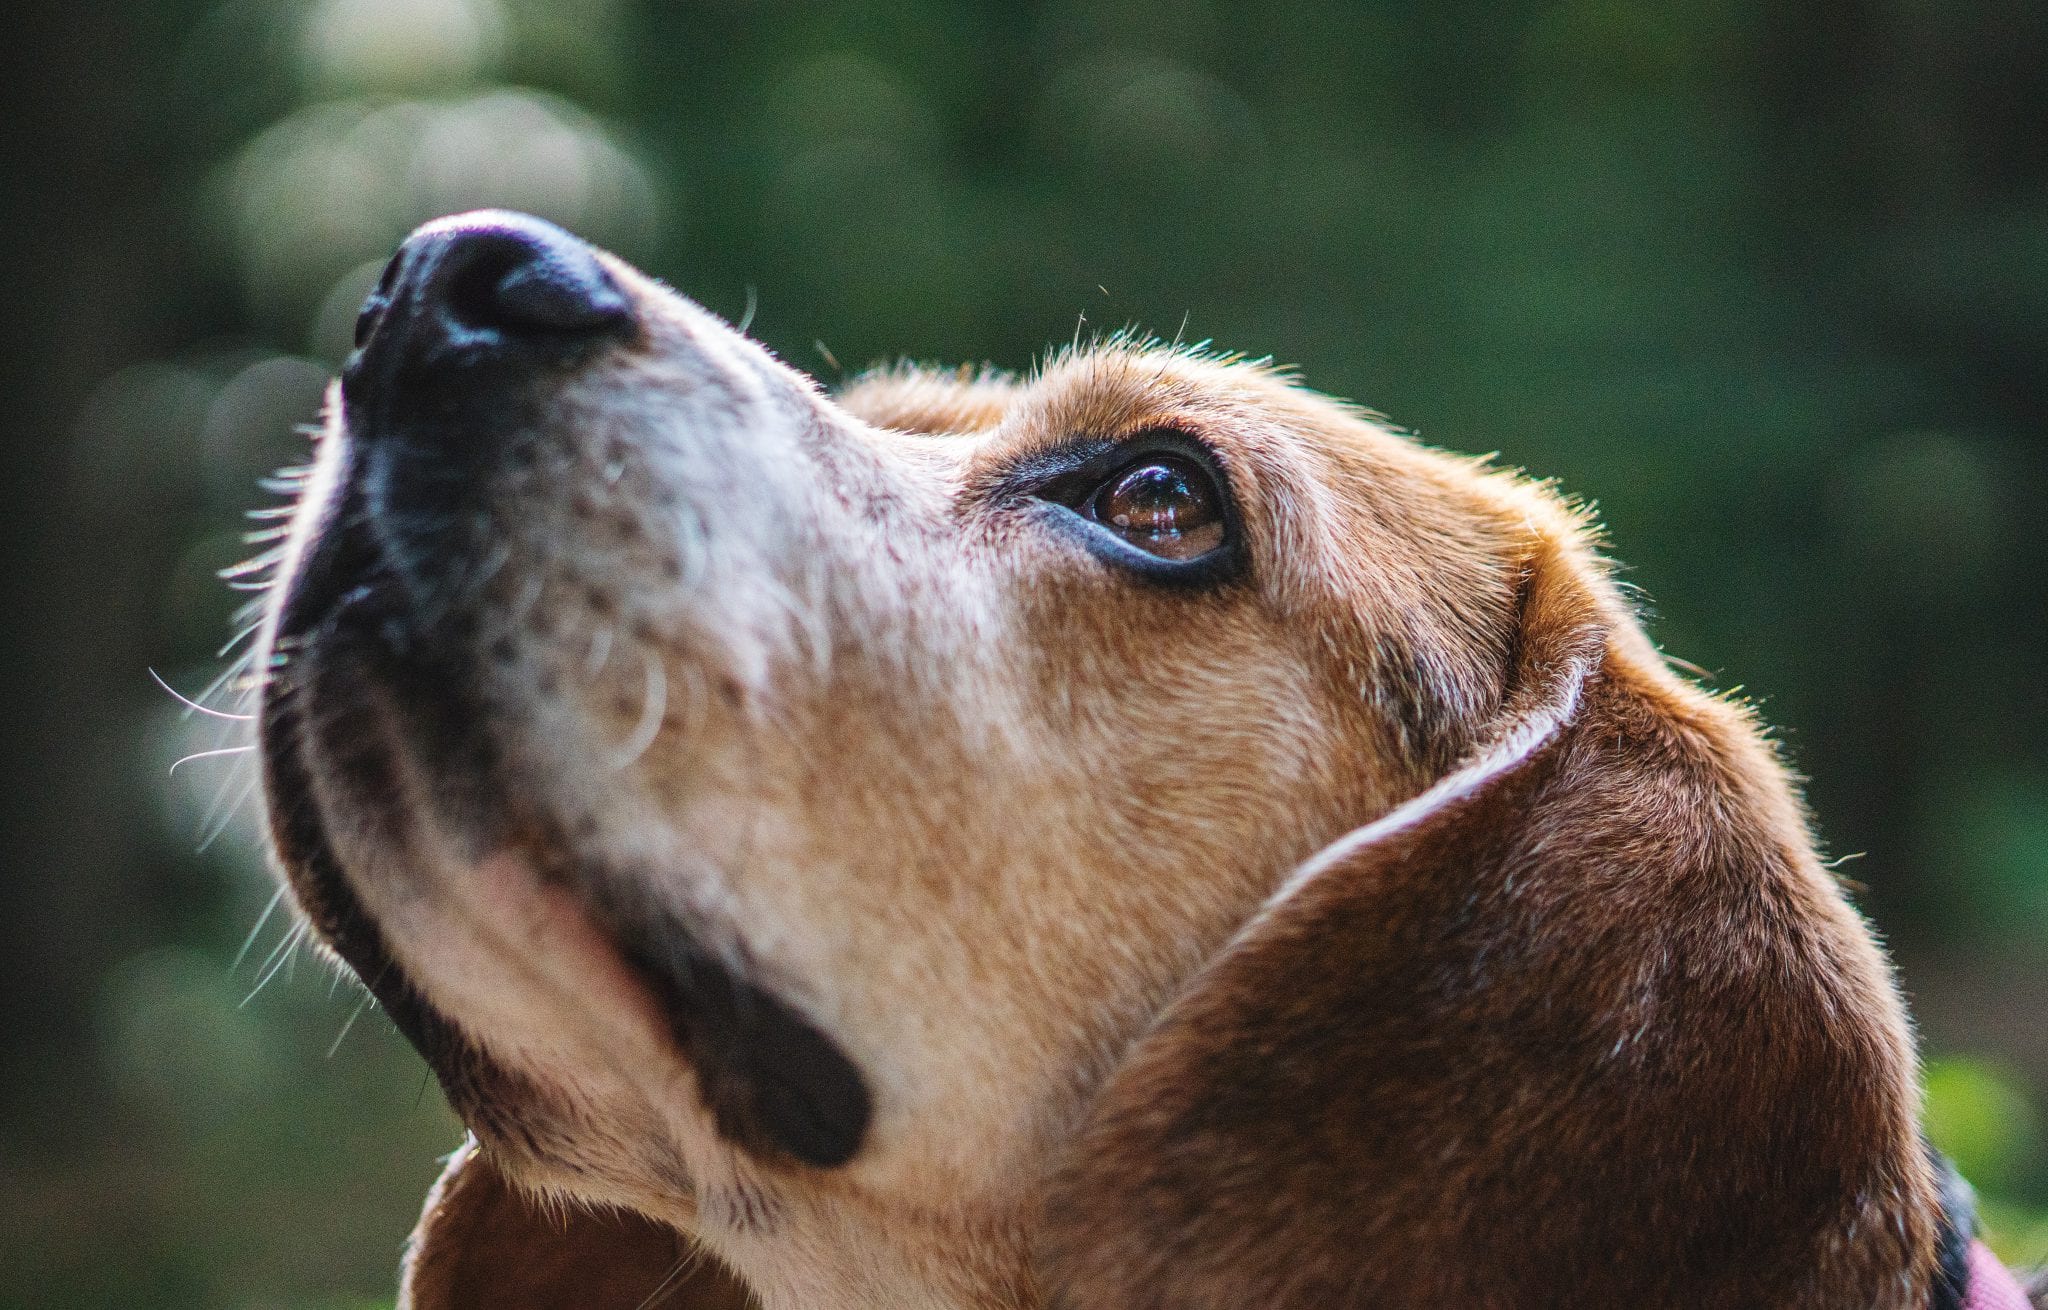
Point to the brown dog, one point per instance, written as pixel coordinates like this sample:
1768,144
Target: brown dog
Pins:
1140,836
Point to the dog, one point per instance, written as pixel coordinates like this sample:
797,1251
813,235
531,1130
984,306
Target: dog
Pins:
1139,835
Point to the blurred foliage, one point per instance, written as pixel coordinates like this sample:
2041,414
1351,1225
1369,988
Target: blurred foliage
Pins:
1982,1120
1768,282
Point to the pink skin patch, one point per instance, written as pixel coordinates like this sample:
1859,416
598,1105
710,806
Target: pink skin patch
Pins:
1992,1286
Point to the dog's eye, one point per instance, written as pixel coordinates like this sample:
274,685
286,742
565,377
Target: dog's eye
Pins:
1158,505
1163,504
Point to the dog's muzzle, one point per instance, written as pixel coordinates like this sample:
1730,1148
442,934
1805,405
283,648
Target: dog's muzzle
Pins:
477,324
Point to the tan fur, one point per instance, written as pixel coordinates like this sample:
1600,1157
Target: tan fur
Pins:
1583,1022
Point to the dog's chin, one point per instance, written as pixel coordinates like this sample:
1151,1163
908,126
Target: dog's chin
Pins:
442,883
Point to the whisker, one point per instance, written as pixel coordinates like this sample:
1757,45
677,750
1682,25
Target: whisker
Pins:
276,952
194,706
247,631
279,955
653,706
600,651
354,1015
226,818
228,675
276,899
256,563
500,554
683,1262
529,596
223,799
208,755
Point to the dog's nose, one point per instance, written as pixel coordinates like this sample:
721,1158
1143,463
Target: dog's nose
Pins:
492,283
475,320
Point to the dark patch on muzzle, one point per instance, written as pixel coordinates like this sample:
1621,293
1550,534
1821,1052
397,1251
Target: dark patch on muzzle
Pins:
774,1083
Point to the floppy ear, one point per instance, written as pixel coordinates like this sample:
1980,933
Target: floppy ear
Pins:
1583,1024
482,1243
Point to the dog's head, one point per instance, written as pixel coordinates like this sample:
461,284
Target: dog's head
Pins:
1144,834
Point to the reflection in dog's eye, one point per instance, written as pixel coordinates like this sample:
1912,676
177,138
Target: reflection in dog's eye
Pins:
1163,504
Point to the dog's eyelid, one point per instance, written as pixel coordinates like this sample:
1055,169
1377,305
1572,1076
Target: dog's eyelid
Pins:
1038,473
1066,470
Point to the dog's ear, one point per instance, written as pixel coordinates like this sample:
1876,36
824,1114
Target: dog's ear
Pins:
1585,1023
483,1244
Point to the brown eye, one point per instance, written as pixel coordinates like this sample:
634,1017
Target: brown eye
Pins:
1164,504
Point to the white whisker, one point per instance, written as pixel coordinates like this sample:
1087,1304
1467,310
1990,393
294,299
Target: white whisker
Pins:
501,553
258,563
600,651
687,1261
354,1015
276,898
276,960
225,817
653,707
194,706
209,755
228,675
522,607
243,634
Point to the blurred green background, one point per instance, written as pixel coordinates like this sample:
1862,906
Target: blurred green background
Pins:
1767,281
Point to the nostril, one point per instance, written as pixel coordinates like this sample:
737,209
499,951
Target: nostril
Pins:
524,283
470,274
574,295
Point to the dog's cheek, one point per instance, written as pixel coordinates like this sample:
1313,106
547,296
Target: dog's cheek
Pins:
774,1083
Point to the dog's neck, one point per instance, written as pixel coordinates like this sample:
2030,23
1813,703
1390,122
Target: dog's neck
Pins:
841,1256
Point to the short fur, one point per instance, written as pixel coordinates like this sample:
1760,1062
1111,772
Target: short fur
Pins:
1386,926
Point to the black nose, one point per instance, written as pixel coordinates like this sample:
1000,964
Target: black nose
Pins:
491,284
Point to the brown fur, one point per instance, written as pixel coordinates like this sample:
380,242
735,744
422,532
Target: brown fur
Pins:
483,1245
1387,927
1599,1033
